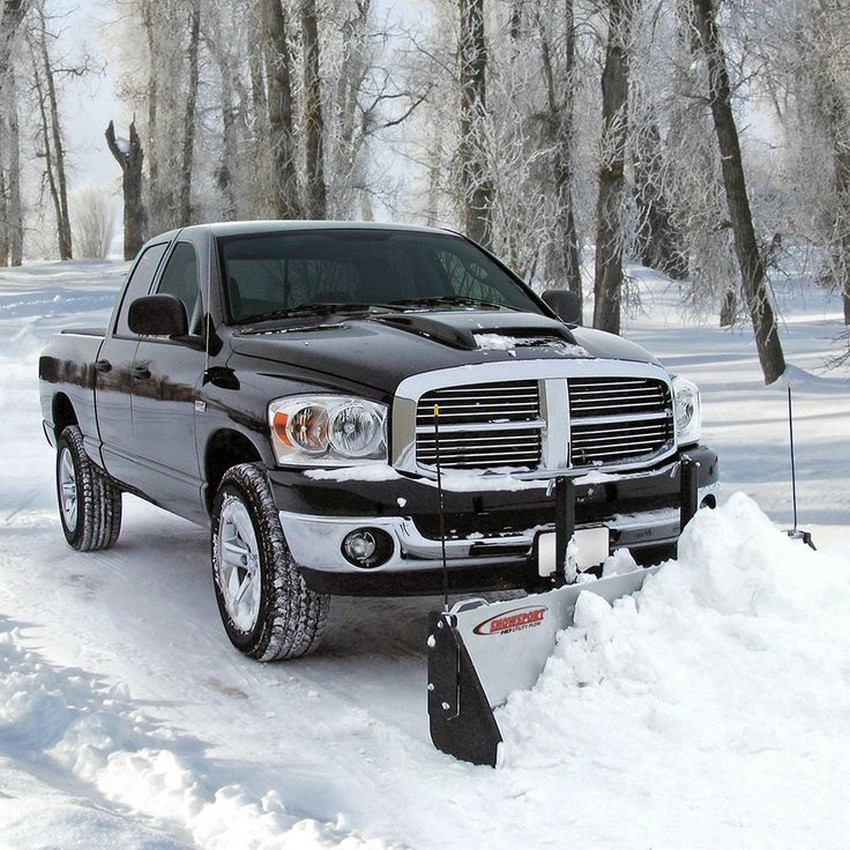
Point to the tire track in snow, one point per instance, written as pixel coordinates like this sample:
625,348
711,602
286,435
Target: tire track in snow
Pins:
73,730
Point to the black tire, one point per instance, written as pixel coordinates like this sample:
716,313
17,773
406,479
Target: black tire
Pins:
89,500
267,609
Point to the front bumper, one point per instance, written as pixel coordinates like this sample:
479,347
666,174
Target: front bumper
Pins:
491,531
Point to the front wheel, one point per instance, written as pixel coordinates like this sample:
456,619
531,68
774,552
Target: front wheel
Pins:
89,500
267,609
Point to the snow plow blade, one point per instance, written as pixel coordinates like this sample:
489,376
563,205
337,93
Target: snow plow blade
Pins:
479,652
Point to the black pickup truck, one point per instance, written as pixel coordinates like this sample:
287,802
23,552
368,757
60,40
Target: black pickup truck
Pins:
365,409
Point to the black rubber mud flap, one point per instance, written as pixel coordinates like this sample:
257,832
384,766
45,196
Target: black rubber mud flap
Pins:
461,720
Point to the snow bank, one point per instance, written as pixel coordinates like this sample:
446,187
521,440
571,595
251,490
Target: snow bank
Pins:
724,683
67,728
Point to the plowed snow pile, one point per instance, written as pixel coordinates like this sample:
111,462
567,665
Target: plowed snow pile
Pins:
63,726
723,686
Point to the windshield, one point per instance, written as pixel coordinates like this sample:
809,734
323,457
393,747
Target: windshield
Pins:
276,275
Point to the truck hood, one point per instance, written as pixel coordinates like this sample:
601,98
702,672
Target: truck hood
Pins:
379,351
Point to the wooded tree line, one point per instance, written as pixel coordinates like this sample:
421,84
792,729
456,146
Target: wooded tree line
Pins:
707,138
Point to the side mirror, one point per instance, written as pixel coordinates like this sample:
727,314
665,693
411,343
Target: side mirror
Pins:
158,315
565,304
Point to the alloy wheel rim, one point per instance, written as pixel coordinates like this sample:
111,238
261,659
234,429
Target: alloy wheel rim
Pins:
68,489
239,565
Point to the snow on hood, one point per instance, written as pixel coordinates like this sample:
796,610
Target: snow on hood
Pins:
731,664
504,342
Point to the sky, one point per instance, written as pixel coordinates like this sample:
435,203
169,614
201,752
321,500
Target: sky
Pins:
92,102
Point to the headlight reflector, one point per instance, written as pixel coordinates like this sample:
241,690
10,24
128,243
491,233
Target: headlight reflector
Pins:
326,430
687,411
355,429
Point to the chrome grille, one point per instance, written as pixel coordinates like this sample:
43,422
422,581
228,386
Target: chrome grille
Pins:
564,417
481,426
618,419
605,396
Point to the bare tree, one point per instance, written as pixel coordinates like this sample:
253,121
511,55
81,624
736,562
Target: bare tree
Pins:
184,205
12,225
129,155
559,130
750,260
314,124
52,148
659,243
94,222
476,182
281,123
354,121
161,86
825,104
608,277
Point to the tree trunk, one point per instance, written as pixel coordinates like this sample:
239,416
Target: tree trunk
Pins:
348,147
13,12
314,125
659,244
156,202
4,213
826,63
516,19
476,184
729,307
130,157
750,260
229,150
16,204
608,278
54,151
840,248
559,131
285,202
184,207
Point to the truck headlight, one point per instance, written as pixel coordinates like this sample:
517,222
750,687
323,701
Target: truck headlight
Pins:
328,430
687,408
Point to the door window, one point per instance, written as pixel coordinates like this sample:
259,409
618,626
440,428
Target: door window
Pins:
180,278
139,284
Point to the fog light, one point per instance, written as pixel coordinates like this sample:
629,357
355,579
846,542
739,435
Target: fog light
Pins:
367,547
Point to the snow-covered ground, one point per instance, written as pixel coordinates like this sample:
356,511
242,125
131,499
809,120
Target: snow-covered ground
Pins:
710,711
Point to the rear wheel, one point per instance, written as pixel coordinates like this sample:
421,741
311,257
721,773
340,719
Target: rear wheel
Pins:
268,611
89,500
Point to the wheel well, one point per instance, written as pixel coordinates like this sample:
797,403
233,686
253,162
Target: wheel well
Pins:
63,413
225,449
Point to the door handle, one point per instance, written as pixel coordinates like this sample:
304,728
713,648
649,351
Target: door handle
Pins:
141,372
103,366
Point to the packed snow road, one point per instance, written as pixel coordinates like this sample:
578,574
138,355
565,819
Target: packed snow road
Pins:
712,711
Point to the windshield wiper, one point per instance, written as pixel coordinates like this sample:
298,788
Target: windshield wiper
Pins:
318,308
328,308
447,301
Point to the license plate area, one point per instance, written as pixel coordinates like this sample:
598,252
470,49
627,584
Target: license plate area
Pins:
587,548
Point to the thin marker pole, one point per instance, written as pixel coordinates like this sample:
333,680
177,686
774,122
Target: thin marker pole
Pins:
793,463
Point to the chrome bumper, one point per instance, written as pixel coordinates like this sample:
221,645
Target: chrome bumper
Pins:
316,541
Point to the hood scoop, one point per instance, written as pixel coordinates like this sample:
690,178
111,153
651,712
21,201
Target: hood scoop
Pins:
485,330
